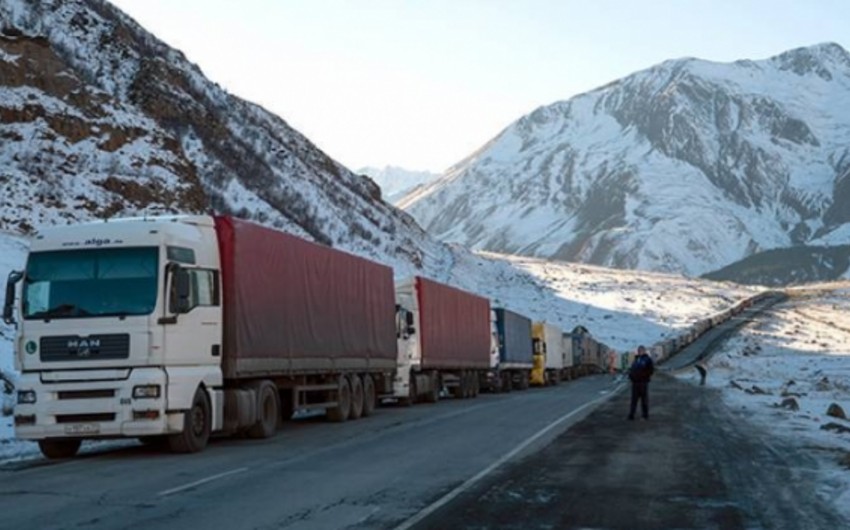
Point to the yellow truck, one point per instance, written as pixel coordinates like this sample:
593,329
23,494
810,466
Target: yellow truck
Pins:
550,357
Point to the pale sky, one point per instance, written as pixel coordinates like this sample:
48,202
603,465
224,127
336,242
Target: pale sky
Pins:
421,84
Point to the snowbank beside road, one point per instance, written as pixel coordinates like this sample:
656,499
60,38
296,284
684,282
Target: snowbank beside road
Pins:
784,371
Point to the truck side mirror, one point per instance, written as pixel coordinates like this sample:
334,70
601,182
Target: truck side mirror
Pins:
409,321
179,298
182,288
9,305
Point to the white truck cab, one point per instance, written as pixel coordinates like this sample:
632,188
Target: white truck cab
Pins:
409,359
112,340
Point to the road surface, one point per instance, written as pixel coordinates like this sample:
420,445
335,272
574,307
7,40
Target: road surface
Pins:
559,457
371,473
696,464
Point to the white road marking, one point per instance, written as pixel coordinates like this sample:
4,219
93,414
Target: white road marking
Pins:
448,497
191,485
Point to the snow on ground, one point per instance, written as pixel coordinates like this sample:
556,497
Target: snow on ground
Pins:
620,308
800,352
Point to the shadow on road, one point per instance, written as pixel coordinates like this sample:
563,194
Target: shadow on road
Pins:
692,465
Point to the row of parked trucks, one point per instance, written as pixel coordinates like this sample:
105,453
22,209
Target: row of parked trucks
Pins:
172,329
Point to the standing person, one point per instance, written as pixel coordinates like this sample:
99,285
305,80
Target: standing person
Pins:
640,373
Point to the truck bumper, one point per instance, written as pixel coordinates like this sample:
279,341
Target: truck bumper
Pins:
95,408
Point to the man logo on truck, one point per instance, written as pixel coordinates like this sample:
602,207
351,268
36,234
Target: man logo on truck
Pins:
83,347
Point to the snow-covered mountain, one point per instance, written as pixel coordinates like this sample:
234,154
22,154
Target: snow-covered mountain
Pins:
396,182
99,118
687,166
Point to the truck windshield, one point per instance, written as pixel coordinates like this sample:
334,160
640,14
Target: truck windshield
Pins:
91,283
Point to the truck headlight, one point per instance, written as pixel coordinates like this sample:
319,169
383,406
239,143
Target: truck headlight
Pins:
146,391
26,397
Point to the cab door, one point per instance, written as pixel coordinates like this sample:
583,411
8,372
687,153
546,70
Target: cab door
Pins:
193,325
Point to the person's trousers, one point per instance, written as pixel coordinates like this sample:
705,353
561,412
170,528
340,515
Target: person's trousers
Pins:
640,392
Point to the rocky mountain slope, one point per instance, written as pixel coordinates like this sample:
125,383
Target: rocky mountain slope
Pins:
687,167
788,266
99,118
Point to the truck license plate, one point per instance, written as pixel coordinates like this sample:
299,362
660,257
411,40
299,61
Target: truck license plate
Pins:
82,428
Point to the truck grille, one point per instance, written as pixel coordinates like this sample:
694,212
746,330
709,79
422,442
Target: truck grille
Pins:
85,418
85,394
93,347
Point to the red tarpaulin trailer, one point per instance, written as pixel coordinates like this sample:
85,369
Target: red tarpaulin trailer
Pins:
291,306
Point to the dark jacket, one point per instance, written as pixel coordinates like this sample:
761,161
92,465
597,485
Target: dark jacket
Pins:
642,369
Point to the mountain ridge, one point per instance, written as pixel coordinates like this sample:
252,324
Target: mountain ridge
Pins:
633,174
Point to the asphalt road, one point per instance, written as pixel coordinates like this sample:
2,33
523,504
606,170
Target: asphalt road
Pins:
376,472
559,457
711,340
694,465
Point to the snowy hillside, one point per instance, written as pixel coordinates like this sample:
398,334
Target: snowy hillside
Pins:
98,118
687,167
396,182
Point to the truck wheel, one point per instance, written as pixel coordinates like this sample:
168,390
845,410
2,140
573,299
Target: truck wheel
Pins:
433,394
369,398
523,381
467,379
496,383
556,378
268,411
343,399
196,426
413,392
458,392
356,397
59,448
507,382
476,384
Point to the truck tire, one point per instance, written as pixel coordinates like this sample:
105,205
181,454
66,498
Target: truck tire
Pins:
468,391
555,378
411,398
496,384
53,449
433,394
507,382
340,412
476,384
523,380
196,426
268,411
369,397
458,392
356,397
